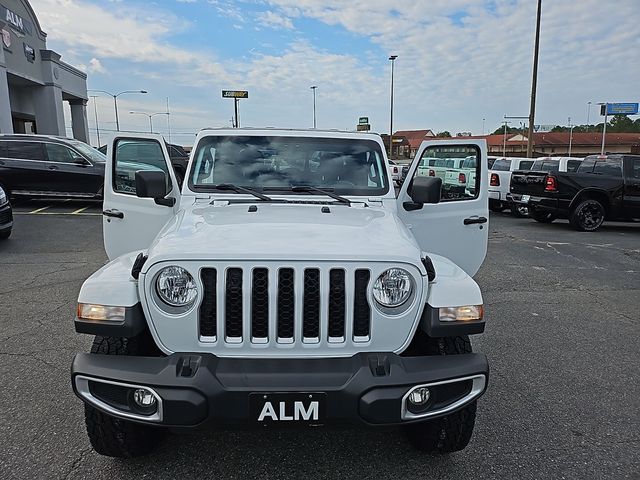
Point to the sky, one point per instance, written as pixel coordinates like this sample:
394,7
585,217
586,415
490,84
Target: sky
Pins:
459,61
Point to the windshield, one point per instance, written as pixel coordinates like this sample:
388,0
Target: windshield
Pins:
89,152
345,166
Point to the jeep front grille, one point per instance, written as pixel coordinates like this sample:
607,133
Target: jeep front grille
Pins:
285,322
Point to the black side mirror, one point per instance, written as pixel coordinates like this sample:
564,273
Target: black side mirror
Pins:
153,184
81,162
423,190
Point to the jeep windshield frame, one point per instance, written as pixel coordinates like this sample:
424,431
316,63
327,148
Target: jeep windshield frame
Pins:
343,166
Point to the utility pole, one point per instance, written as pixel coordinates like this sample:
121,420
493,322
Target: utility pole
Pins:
570,135
314,105
534,83
393,61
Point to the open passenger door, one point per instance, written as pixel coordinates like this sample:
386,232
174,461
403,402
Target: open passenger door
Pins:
130,222
457,226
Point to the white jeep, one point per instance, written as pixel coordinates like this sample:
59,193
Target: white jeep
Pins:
285,283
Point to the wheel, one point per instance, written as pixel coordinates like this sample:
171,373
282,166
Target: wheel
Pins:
496,206
518,210
113,436
542,217
452,432
6,234
588,215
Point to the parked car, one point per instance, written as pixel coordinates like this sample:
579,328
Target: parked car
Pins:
44,165
179,159
396,172
263,295
499,180
6,216
604,187
542,164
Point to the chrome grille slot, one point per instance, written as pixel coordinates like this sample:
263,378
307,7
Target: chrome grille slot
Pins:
311,305
208,307
361,309
286,305
260,305
337,303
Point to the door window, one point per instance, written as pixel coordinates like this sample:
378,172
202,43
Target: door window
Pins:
609,167
635,168
459,168
61,154
25,150
133,155
572,165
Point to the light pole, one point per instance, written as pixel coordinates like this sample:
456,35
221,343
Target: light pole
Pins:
115,100
483,126
604,128
534,83
313,88
150,115
392,58
95,111
588,114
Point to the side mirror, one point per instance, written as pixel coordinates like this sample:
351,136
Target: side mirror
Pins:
81,162
153,184
423,190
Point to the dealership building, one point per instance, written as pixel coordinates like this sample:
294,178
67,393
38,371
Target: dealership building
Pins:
34,82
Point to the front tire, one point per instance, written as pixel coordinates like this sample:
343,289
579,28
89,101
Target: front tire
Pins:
6,234
452,432
496,206
588,215
111,436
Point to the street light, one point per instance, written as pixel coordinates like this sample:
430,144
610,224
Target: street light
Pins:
313,87
483,126
95,111
150,115
571,127
588,114
115,100
392,58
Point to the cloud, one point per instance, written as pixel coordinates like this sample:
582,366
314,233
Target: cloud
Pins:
274,20
95,66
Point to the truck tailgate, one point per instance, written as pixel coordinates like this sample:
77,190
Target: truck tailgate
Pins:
528,182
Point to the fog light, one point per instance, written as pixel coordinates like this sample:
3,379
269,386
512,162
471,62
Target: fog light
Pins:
143,398
419,396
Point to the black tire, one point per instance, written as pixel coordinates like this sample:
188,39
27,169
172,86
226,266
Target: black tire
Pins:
452,432
542,217
496,206
6,234
588,215
113,436
519,211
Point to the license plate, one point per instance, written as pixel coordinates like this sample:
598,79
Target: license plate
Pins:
287,408
525,198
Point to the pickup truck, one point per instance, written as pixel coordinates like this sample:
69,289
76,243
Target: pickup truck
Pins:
499,180
604,187
542,164
263,292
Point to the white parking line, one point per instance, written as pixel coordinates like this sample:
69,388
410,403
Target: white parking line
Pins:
38,210
75,212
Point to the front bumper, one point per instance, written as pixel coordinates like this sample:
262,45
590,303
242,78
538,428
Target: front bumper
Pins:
198,389
6,217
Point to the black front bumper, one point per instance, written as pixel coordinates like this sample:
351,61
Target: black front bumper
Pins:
368,388
6,218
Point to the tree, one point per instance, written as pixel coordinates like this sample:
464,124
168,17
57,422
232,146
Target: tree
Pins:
446,133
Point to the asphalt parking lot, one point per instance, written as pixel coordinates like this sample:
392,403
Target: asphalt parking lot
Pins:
562,339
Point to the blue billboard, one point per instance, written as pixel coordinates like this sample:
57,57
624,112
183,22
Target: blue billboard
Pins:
622,108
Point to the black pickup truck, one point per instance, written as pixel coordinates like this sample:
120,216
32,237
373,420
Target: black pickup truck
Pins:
603,187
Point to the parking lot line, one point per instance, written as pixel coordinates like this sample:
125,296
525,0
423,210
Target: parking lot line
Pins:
75,212
38,210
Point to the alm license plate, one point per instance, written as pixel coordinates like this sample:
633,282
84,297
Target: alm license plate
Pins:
525,198
287,408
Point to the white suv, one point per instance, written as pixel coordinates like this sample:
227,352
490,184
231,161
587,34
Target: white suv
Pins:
265,292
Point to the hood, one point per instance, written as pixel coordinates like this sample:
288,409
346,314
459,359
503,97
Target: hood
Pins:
285,232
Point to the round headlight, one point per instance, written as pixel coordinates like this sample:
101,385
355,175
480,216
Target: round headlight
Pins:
176,287
3,197
393,287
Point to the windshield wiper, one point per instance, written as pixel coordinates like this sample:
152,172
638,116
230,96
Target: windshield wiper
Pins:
238,189
320,191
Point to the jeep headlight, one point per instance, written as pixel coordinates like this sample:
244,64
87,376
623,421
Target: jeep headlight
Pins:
393,287
3,197
176,287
